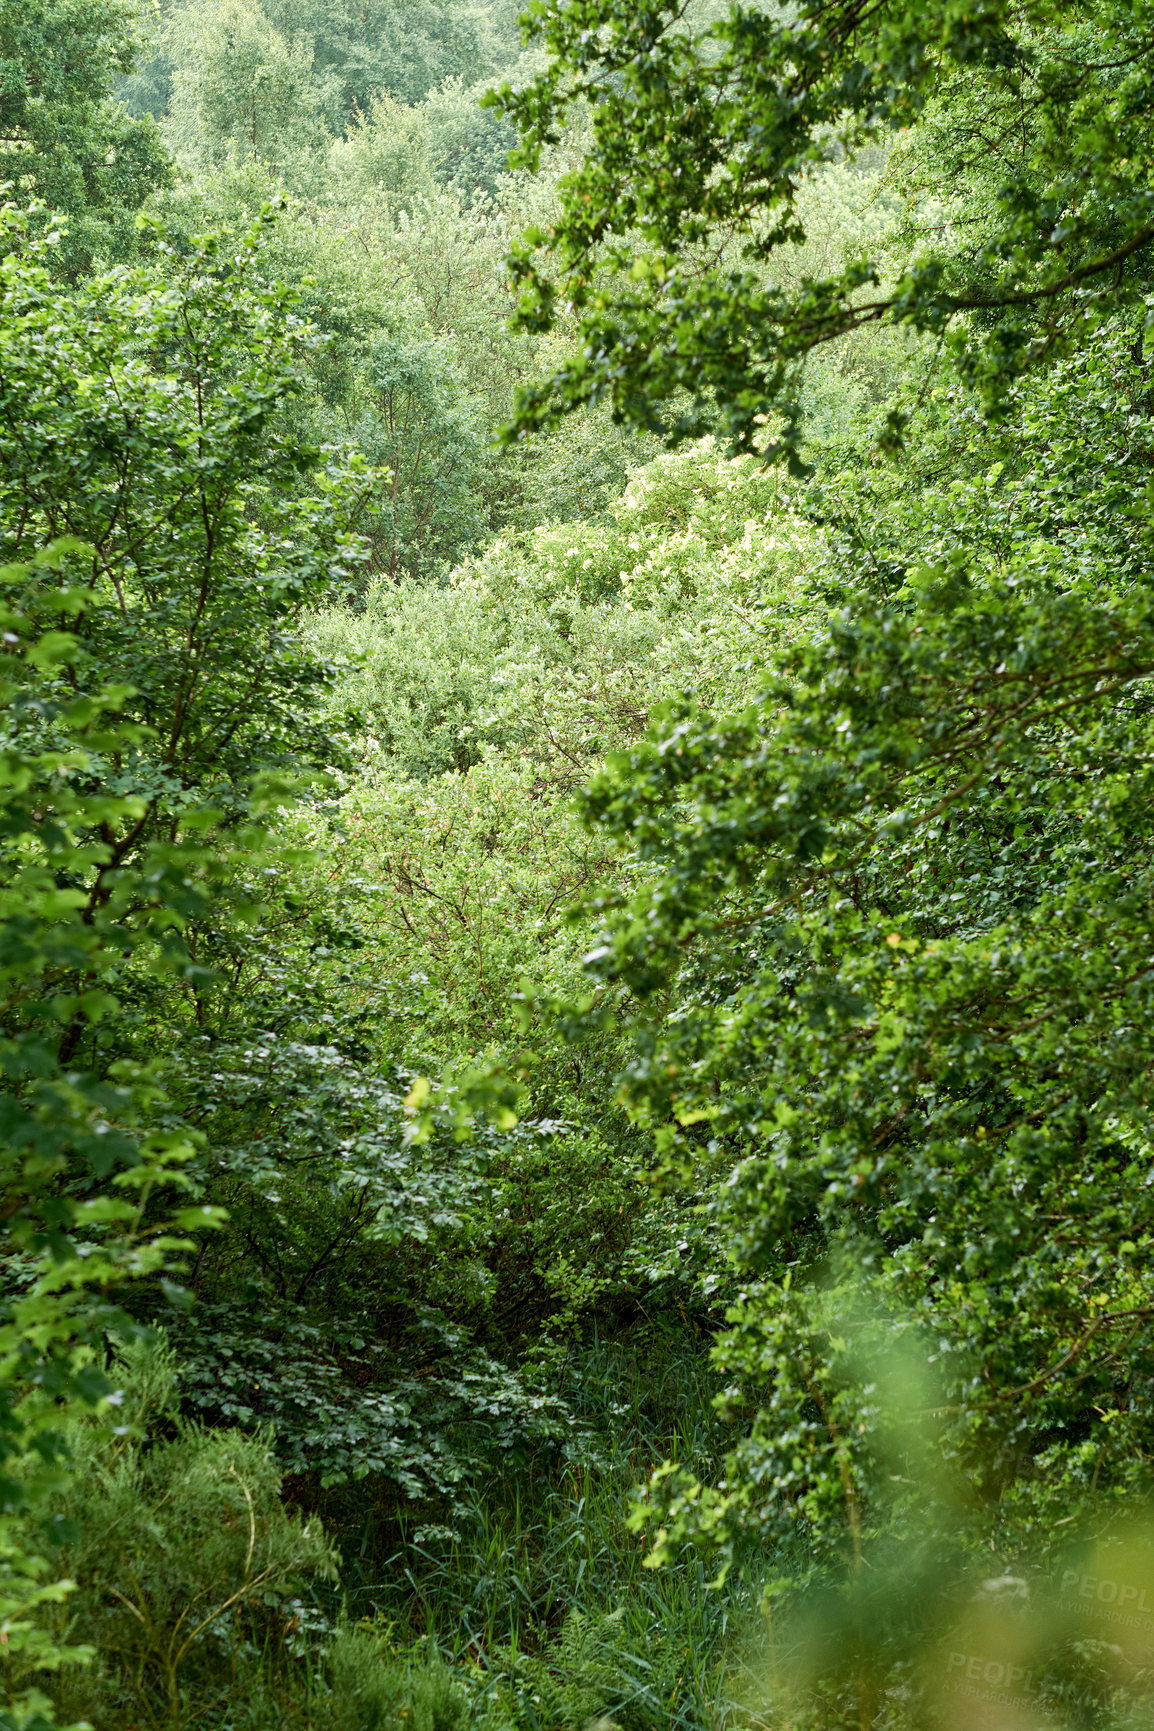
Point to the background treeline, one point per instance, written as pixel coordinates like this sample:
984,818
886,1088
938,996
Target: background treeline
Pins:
401,211
540,969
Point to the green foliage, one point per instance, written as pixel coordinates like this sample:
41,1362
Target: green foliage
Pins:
605,1670
487,703
412,421
385,48
198,550
897,908
371,1690
410,291
468,145
799,1170
66,142
184,1556
670,234
396,236
343,1307
402,51
137,786
550,647
275,81
542,1597
239,86
386,1292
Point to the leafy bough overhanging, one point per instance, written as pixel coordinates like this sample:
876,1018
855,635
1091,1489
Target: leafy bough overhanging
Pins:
892,943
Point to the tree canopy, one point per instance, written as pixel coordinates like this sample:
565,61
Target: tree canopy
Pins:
64,139
1027,128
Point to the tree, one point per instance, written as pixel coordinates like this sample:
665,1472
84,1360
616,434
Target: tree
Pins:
884,961
306,70
411,419
63,139
1036,128
239,86
886,973
385,48
148,508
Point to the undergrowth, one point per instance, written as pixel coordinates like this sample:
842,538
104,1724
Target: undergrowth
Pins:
212,1604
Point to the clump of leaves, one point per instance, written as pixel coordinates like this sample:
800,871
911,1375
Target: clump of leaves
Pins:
184,1555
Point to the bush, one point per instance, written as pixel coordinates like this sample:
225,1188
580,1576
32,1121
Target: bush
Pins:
184,1556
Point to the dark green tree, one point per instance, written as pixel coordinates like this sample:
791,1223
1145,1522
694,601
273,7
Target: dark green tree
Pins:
1036,130
385,48
157,713
413,422
886,970
885,960
63,137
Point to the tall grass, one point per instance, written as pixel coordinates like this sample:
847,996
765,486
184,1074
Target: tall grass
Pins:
543,1596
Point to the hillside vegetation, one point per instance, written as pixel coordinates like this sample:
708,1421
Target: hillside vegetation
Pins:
575,866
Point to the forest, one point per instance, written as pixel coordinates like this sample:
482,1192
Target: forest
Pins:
576,865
